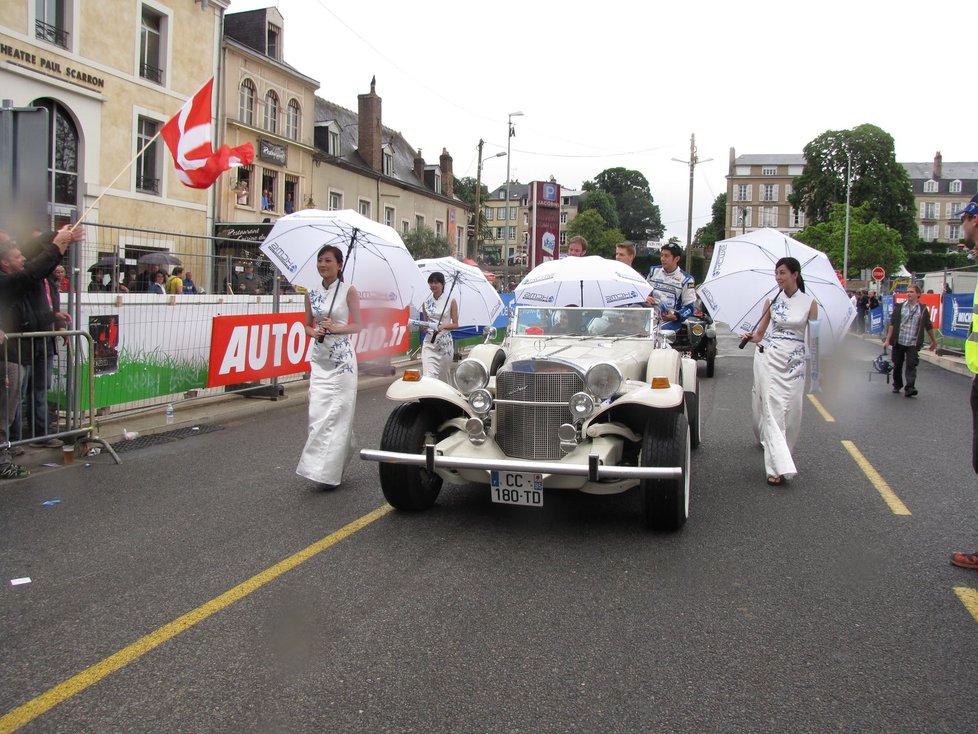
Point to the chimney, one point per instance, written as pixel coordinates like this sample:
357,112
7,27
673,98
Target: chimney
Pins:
369,128
419,166
733,157
937,166
447,178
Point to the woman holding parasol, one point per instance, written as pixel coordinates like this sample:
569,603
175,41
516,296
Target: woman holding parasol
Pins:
332,314
438,348
779,368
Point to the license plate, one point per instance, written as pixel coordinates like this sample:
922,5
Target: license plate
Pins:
516,488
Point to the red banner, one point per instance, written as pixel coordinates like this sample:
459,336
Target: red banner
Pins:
932,301
260,346
545,224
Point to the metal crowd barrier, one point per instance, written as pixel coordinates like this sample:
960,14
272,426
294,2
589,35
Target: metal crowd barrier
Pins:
48,402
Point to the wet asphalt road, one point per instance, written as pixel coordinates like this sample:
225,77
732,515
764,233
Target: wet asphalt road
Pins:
809,608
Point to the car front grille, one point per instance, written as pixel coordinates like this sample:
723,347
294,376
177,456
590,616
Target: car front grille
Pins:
527,427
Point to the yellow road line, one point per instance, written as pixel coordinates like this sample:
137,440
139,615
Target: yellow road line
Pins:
29,711
889,496
968,597
821,409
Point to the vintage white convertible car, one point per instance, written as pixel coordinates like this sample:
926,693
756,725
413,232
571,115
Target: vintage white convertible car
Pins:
588,400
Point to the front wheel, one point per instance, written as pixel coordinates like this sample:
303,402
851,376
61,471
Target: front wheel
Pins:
666,443
693,418
711,357
408,429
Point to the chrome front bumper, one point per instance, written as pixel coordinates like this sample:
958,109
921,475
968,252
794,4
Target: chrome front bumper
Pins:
593,470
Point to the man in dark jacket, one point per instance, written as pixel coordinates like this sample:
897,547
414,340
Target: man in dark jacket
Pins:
908,324
26,304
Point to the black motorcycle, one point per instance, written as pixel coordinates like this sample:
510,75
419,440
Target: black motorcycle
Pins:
698,338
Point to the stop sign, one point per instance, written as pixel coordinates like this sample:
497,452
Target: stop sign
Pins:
878,274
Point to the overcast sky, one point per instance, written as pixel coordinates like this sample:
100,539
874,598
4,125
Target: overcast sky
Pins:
615,83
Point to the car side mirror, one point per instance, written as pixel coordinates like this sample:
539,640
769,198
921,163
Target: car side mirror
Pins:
490,333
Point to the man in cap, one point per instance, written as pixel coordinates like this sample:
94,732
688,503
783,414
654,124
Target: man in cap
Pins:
969,231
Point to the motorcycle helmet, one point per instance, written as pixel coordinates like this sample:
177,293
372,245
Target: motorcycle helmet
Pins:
882,365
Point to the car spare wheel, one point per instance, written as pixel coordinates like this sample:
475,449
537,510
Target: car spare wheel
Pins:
666,443
405,486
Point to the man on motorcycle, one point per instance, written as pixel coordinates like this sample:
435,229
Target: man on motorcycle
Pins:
673,289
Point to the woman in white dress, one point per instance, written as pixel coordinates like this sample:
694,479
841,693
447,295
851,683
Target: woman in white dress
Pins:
437,355
779,368
332,314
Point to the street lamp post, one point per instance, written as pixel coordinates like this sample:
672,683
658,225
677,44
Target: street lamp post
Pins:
693,160
478,200
509,134
845,247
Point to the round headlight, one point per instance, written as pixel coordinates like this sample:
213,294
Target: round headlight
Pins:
470,375
603,380
581,405
697,329
480,400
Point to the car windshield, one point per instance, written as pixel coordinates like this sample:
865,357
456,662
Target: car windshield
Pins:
583,321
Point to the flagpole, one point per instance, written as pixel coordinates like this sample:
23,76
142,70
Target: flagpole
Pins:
113,181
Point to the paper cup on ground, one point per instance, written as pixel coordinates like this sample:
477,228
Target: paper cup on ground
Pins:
68,453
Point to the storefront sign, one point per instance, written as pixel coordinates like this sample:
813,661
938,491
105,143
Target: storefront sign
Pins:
545,223
51,66
272,152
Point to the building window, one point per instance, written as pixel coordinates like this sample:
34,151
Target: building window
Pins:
272,44
242,188
488,213
335,201
269,191
502,195
563,238
499,233
955,187
512,214
954,232
767,192
742,192
151,46
333,143
769,171
271,112
246,102
439,228
363,207
388,163
787,191
389,216
292,120
405,226
742,216
930,187
51,21
797,218
951,208
931,210
928,232
563,217
526,238
459,236
418,221
148,165
62,161
769,216
291,193
437,181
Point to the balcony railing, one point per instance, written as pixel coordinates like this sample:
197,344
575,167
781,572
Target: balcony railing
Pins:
147,184
147,71
51,34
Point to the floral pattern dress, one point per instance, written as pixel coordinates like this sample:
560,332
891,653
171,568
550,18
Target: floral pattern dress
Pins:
436,358
779,382
332,392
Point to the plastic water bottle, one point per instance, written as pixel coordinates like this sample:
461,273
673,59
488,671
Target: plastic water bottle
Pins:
169,413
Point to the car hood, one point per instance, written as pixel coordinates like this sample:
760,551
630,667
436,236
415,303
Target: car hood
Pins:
630,356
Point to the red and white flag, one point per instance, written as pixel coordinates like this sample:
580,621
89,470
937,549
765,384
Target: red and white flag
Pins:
188,136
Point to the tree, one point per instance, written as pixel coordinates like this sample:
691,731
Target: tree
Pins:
714,230
601,239
638,216
604,204
871,242
465,190
423,243
877,179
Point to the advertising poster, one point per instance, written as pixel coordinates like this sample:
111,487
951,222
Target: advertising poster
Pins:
105,337
544,222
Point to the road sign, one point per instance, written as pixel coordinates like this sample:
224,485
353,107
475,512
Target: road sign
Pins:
878,274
